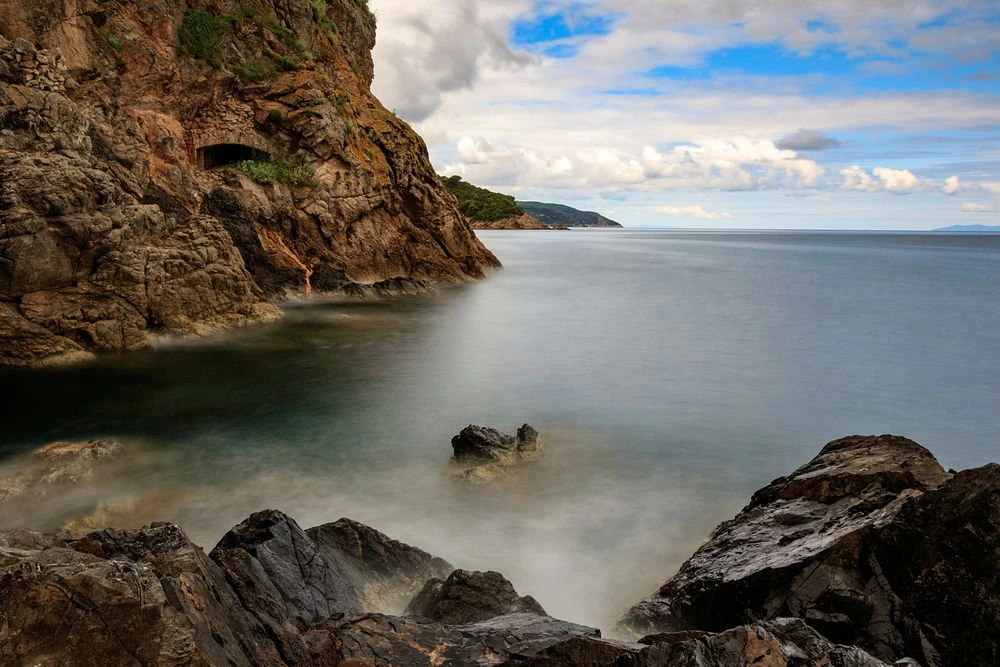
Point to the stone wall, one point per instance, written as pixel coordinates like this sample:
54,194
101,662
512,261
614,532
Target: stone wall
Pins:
44,69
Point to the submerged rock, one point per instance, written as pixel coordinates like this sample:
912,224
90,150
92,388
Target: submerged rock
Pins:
871,543
484,453
467,597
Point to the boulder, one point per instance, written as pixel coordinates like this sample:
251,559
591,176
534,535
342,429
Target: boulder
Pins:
467,597
871,543
482,452
385,574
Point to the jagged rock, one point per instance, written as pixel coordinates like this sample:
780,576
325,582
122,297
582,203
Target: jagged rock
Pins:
467,597
112,230
121,598
384,573
483,453
843,544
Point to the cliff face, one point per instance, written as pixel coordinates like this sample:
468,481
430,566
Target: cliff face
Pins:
122,212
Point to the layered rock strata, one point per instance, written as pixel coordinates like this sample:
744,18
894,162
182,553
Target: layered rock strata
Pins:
122,213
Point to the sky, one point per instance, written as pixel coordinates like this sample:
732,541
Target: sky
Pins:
813,114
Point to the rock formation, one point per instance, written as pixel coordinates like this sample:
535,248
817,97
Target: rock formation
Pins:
869,554
269,593
468,597
872,543
172,166
483,453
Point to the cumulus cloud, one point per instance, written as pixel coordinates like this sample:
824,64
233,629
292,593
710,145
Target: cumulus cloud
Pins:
952,185
713,164
423,52
881,179
692,212
974,207
807,140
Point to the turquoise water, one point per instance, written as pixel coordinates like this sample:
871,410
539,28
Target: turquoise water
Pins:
671,373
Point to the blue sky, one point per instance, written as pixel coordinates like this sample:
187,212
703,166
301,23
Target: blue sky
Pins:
723,113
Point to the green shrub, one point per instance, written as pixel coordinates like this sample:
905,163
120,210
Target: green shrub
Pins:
275,116
257,71
201,35
111,39
283,171
288,63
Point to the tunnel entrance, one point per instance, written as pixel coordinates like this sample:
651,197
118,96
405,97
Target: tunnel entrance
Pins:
222,155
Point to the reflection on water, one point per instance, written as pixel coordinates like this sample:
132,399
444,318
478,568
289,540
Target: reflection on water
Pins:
671,374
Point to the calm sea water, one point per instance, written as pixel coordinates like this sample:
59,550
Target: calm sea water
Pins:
672,374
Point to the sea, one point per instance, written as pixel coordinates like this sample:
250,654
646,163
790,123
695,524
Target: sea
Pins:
671,373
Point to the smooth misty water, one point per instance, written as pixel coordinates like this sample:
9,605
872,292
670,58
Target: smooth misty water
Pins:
673,373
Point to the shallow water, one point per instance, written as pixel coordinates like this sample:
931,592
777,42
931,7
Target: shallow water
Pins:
672,374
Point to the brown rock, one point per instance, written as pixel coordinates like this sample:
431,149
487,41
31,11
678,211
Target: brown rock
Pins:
110,227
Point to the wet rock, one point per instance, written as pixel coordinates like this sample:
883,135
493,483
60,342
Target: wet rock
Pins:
778,643
121,598
384,573
467,597
864,543
484,453
381,641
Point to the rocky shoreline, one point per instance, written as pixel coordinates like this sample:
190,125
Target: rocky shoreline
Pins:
870,554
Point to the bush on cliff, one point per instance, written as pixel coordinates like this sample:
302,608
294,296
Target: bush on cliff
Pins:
283,171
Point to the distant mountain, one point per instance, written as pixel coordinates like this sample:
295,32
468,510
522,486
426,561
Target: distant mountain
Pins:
971,229
558,214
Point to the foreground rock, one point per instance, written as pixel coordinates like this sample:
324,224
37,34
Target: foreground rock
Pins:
483,453
872,543
467,597
269,593
122,215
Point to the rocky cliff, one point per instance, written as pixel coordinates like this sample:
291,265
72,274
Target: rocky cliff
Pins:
171,166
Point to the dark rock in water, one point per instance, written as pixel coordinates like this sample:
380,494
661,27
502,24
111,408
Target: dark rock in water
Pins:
484,452
385,574
385,640
872,543
467,597
482,444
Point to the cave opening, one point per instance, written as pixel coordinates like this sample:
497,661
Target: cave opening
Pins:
223,155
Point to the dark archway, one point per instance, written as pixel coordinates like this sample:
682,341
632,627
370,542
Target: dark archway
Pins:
222,155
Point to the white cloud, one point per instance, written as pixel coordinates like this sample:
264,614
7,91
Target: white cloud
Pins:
897,180
714,164
692,212
973,207
881,179
952,185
